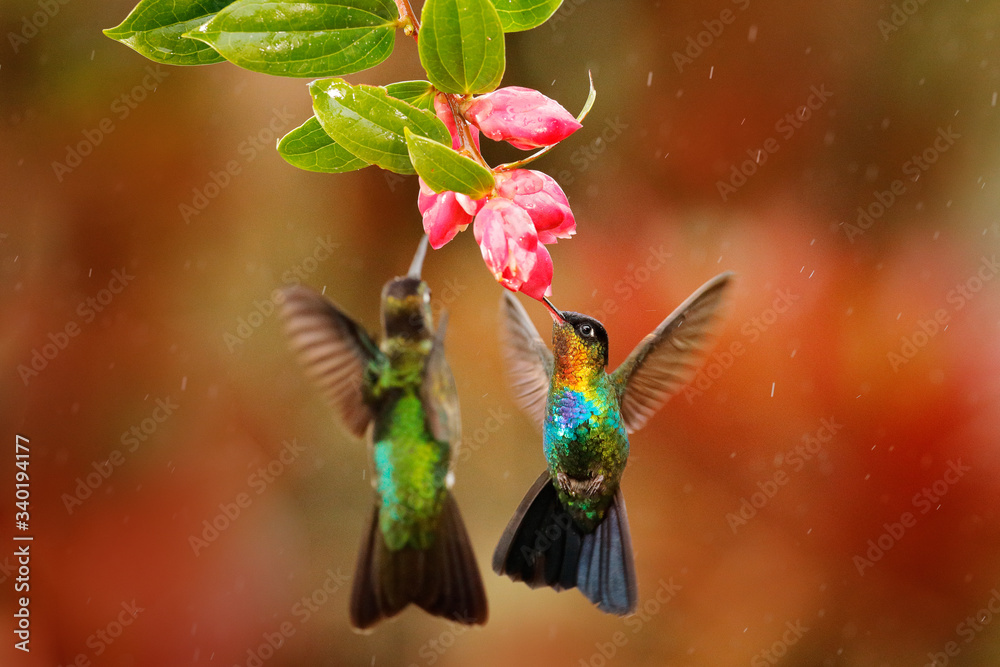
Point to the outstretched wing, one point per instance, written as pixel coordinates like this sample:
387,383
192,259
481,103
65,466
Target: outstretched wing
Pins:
439,395
333,349
665,360
529,361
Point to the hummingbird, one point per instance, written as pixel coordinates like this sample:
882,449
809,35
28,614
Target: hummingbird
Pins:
400,395
571,529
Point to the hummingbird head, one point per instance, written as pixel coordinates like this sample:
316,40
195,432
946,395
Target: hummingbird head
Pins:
406,302
580,340
406,309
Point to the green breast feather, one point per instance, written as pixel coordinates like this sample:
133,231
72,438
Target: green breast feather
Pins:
411,469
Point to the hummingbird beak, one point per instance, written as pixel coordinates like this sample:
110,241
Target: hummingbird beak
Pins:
555,312
418,259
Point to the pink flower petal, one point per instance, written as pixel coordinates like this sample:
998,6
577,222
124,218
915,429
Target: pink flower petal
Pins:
505,236
539,281
444,215
542,199
511,250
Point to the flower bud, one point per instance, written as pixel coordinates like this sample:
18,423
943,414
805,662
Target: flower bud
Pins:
522,116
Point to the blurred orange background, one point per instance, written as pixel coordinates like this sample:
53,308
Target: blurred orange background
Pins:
870,345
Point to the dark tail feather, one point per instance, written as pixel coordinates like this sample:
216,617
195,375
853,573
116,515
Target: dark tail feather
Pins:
444,579
543,546
606,574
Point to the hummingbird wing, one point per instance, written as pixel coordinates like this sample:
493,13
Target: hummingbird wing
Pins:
334,349
438,393
529,361
665,360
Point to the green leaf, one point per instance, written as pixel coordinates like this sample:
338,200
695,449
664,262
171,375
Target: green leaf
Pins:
461,45
517,15
309,147
418,93
369,123
155,28
314,38
445,169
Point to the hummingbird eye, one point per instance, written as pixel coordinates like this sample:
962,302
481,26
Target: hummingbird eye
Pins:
586,330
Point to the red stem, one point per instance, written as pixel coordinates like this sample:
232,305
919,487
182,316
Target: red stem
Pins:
464,131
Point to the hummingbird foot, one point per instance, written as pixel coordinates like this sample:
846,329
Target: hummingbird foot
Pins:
562,479
594,487
579,487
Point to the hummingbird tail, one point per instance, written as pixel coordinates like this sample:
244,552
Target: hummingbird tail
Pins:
444,579
543,546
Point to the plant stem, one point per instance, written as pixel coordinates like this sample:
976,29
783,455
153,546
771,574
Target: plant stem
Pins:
409,21
464,131
508,166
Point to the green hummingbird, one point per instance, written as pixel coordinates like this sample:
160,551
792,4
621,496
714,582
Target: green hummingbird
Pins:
400,395
571,528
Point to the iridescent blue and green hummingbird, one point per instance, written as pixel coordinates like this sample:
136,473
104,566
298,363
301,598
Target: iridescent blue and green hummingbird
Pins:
401,395
571,529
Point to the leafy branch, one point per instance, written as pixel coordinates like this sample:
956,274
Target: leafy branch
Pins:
430,127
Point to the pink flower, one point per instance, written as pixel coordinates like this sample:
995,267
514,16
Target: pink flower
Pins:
522,116
445,214
526,210
511,250
544,201
443,111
